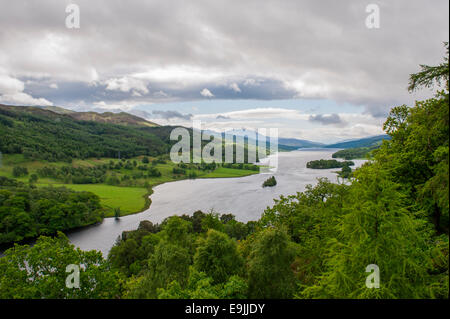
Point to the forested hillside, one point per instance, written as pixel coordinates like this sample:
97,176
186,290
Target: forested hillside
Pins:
363,142
45,135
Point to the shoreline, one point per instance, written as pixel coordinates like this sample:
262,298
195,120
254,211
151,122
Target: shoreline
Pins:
102,236
147,195
147,204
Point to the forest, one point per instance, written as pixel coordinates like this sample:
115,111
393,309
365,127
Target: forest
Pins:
44,135
327,164
27,211
394,213
355,153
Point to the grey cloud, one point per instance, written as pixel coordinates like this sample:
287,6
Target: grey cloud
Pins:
322,45
69,93
326,119
172,114
222,117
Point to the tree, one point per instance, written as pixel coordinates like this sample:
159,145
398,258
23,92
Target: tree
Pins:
117,213
376,228
217,256
168,263
417,155
177,231
125,254
200,286
430,75
345,172
269,272
40,271
212,221
270,182
19,171
33,178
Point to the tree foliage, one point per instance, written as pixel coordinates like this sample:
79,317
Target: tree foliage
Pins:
40,272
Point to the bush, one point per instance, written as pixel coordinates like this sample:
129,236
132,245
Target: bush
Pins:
270,182
19,171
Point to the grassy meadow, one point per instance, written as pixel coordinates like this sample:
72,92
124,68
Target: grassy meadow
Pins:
131,198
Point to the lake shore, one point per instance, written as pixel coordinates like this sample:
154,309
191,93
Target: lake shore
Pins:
243,197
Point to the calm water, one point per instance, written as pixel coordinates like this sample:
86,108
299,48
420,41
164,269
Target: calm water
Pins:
244,197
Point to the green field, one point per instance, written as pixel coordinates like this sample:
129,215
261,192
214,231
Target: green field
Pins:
228,172
130,198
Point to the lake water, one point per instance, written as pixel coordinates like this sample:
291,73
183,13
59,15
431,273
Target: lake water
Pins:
243,197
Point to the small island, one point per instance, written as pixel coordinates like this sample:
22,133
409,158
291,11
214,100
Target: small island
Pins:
327,164
270,182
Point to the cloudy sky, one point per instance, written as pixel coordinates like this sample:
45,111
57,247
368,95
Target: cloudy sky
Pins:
312,69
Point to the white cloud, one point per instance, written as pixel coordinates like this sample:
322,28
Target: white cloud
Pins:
235,87
20,98
122,105
206,93
11,92
259,113
127,84
180,74
10,85
252,82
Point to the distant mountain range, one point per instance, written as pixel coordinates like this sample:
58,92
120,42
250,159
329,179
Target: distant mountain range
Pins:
361,142
138,118
299,143
294,143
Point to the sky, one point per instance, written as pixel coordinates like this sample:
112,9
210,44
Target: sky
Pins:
312,69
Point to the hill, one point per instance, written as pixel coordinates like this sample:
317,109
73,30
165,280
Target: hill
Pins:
284,144
38,133
122,118
56,109
362,142
293,142
114,118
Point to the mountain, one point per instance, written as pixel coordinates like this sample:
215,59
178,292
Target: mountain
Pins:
37,110
114,118
362,142
298,143
54,133
56,109
121,118
40,134
283,143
